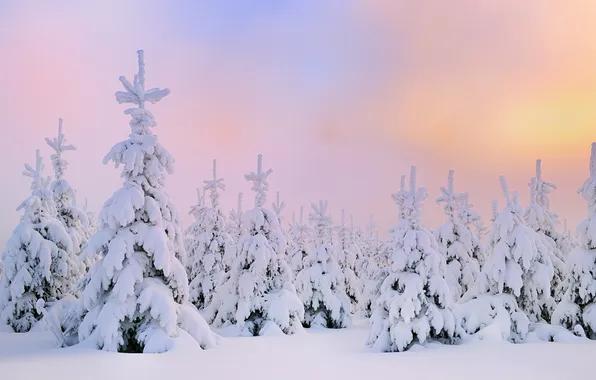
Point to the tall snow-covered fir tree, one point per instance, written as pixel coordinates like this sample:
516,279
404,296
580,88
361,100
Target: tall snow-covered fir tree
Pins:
278,207
473,222
577,309
541,219
518,262
456,243
414,304
208,246
136,293
320,283
38,262
75,219
302,239
259,297
373,267
347,259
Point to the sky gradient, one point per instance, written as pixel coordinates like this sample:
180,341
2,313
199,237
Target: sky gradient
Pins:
340,97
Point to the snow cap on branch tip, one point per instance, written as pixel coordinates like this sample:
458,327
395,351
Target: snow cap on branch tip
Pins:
504,188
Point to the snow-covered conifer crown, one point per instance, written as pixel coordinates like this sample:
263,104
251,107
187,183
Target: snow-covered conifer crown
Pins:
260,184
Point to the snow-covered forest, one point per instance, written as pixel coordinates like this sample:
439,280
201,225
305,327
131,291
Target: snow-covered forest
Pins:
135,280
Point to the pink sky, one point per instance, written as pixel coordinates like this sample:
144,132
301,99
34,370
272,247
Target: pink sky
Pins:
340,97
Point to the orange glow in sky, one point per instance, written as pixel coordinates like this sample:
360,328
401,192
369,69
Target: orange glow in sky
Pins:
340,97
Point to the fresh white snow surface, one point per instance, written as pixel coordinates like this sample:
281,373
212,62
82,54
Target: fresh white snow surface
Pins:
326,354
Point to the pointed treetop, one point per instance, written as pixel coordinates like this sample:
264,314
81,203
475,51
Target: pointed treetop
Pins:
533,182
59,145
319,217
196,209
38,181
505,189
542,188
200,198
495,209
213,185
451,198
135,93
260,183
588,190
301,214
410,202
278,206
239,203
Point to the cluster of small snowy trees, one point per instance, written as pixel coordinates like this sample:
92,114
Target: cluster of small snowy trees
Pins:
133,280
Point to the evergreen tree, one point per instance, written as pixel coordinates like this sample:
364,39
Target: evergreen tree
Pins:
347,259
208,246
518,262
234,225
414,303
39,260
302,239
259,296
473,222
320,282
577,309
136,293
373,268
278,206
74,219
541,219
456,243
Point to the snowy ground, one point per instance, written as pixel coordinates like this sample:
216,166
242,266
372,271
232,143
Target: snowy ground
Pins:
317,354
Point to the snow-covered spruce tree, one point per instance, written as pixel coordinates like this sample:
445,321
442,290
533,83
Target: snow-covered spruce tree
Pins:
473,222
136,293
456,243
302,239
577,309
320,282
278,206
208,246
541,219
38,262
259,297
518,263
75,220
347,259
414,304
375,263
